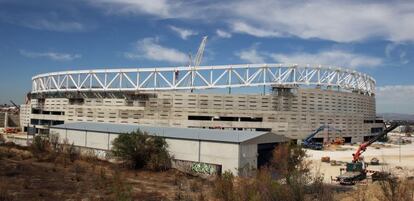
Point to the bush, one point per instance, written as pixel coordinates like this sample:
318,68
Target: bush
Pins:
287,178
141,150
40,144
394,189
54,141
4,196
122,191
223,187
2,140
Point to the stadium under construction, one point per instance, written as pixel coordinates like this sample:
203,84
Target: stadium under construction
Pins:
300,99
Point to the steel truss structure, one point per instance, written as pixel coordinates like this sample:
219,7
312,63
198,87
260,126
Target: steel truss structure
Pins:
203,77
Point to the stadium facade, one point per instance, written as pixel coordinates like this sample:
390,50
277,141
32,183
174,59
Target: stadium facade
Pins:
300,99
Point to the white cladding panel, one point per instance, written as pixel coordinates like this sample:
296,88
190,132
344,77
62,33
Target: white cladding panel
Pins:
78,138
111,139
183,149
97,140
224,154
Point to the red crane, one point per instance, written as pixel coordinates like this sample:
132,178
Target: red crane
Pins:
362,148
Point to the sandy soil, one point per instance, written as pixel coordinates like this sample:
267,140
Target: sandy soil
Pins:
389,156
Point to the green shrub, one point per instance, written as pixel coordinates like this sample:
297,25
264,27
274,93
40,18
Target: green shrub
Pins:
141,150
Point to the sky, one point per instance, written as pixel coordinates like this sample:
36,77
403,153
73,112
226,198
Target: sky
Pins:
374,37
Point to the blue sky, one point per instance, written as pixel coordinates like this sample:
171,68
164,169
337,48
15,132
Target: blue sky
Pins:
375,37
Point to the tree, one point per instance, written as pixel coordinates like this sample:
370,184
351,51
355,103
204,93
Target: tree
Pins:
141,150
288,163
408,130
287,178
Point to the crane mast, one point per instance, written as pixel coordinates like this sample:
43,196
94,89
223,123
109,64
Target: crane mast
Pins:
197,60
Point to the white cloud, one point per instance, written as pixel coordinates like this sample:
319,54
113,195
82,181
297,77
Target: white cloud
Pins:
56,56
403,58
251,55
395,98
329,57
149,48
223,34
158,8
56,25
341,21
183,33
393,51
242,27
50,21
389,48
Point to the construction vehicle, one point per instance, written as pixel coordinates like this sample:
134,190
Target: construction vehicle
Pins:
356,170
374,161
310,144
10,130
338,141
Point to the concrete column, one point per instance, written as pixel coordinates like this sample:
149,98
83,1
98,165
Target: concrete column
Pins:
6,119
199,150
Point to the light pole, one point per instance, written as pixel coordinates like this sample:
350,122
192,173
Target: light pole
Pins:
400,148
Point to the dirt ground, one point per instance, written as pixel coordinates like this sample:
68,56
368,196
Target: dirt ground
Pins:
388,154
24,177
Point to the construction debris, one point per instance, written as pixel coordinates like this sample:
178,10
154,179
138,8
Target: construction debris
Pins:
326,159
374,161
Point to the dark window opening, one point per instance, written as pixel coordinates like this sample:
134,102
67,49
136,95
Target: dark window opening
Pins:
264,129
348,139
34,121
200,118
77,101
57,122
58,113
227,119
35,111
252,119
376,130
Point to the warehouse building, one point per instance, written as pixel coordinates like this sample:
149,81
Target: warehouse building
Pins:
220,150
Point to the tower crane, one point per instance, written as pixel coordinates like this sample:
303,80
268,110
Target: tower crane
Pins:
194,64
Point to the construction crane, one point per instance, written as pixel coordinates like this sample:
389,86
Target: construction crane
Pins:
356,170
308,143
197,61
200,52
15,105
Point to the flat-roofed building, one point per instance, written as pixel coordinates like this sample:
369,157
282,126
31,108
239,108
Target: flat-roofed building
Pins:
221,150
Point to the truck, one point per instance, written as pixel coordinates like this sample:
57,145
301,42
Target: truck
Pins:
356,170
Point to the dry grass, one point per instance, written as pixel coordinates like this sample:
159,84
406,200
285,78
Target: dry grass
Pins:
24,177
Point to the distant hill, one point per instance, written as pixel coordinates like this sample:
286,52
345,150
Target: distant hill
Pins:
396,116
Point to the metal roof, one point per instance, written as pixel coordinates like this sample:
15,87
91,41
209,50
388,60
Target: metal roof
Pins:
172,132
